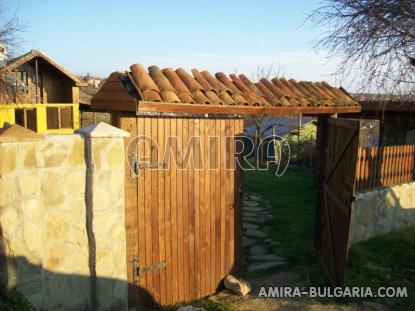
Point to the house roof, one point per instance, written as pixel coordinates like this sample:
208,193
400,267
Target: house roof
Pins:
157,89
386,102
13,63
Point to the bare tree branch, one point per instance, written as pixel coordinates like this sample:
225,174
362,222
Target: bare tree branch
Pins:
374,38
11,39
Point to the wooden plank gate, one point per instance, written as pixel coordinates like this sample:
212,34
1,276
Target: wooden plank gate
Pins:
184,223
338,144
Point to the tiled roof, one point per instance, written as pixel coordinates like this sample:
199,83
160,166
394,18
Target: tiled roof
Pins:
195,87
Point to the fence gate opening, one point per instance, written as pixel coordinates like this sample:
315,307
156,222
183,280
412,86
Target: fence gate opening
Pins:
184,222
338,143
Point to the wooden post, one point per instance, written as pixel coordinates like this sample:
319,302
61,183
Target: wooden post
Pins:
37,81
320,174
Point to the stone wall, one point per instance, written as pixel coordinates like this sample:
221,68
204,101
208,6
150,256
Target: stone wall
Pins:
62,217
382,210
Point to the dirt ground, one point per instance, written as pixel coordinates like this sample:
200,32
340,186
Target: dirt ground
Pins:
253,302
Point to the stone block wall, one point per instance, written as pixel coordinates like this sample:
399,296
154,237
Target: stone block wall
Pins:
62,218
382,210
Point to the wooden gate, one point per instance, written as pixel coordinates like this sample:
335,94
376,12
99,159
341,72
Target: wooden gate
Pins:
339,141
183,224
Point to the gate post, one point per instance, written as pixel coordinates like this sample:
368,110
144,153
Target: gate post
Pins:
320,175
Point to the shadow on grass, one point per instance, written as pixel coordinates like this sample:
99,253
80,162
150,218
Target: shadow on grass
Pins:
386,260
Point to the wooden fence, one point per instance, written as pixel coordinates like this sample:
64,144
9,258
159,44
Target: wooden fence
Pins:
385,166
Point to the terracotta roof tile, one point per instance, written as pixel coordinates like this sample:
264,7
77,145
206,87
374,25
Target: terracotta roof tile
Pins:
145,83
201,87
167,91
227,83
184,93
203,82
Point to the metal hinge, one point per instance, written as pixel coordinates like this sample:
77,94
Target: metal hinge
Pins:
138,271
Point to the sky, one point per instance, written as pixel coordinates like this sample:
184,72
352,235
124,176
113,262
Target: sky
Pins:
100,36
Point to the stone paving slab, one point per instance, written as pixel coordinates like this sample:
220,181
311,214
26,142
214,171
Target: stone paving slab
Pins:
248,242
255,197
255,233
250,204
254,209
254,220
264,266
247,226
250,214
257,250
268,257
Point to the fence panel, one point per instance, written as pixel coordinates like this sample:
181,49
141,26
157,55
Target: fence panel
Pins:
385,166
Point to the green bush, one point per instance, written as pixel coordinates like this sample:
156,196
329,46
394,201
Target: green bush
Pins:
15,301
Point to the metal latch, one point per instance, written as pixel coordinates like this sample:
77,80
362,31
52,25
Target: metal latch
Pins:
135,167
143,166
158,266
132,162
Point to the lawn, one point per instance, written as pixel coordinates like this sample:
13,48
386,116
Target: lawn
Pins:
383,261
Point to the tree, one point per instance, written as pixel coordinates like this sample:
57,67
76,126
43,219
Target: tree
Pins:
11,30
263,71
375,39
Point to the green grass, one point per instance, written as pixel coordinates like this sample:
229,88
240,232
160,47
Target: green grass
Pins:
292,197
208,304
387,260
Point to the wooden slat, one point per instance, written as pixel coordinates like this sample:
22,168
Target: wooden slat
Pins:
141,254
222,198
186,220
145,106
218,251
212,155
173,215
206,173
168,223
147,211
179,203
231,195
345,123
131,217
192,207
196,183
161,210
119,96
202,208
155,212
113,105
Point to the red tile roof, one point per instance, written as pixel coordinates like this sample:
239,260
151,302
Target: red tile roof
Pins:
180,86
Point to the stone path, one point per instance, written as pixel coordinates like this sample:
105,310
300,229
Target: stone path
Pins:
258,246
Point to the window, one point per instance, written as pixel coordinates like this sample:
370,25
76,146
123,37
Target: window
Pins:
21,82
59,118
26,118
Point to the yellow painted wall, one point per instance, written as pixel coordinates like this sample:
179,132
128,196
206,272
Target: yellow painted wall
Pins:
7,115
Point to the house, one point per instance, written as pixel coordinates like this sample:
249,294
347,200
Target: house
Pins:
93,82
39,94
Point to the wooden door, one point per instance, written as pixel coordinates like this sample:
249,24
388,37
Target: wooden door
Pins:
337,188
184,221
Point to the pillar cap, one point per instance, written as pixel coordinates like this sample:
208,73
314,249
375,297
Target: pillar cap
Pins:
14,133
102,130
